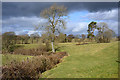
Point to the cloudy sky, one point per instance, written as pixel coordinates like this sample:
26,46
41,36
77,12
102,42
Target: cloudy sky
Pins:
21,17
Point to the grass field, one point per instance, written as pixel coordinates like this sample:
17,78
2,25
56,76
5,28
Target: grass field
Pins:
28,46
7,58
93,60
87,61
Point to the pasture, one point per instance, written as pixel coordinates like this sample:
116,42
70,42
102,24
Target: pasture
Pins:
87,61
92,60
8,58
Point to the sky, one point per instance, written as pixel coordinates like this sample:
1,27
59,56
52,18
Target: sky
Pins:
21,17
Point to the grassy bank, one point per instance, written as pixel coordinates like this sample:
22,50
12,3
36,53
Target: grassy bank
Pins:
87,61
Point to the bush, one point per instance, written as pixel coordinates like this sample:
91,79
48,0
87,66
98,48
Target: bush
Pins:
20,71
102,40
41,50
8,41
31,68
47,46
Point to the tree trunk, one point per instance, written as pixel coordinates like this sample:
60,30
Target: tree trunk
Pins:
53,50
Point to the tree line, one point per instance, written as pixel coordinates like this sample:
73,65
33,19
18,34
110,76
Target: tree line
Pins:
10,39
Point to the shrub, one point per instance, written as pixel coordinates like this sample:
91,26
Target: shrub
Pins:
47,46
41,50
8,41
54,59
31,68
20,71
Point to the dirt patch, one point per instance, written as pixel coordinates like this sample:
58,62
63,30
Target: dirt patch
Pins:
82,44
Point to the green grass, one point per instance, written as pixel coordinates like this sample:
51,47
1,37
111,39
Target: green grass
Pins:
28,46
7,58
93,60
97,60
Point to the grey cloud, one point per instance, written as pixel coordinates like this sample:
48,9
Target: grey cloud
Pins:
76,28
104,15
21,24
20,16
113,25
10,9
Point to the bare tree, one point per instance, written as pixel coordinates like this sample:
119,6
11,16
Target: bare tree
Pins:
56,20
104,33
